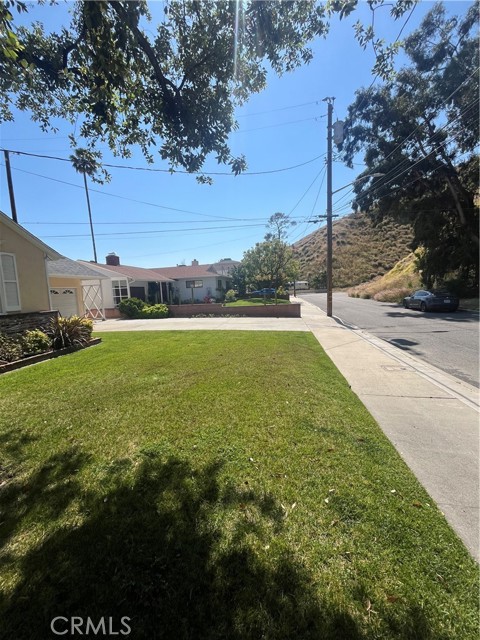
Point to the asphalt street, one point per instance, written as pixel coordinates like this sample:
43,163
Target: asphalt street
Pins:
448,341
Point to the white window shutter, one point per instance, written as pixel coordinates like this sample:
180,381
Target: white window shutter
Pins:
8,273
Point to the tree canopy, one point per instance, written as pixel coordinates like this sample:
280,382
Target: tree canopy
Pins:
173,85
270,263
422,130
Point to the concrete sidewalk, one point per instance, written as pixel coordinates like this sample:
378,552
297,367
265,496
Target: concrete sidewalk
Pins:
431,417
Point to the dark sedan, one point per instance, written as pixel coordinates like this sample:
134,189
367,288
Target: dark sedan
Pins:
431,301
263,292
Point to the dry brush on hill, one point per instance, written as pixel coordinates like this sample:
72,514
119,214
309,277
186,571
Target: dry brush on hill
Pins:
362,250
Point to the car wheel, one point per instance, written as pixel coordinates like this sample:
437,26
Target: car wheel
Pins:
423,306
405,304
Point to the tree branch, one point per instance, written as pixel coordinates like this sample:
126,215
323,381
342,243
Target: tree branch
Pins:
145,46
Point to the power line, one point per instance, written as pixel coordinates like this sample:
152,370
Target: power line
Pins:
153,232
279,124
293,106
171,171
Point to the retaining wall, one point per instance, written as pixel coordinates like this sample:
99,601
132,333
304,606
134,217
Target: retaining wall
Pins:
19,322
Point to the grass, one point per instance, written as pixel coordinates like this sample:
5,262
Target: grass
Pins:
255,302
399,282
216,486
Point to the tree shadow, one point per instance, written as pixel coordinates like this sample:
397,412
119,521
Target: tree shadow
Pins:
149,549
458,316
170,547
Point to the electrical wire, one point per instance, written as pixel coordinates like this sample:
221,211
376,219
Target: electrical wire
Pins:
154,232
293,106
150,169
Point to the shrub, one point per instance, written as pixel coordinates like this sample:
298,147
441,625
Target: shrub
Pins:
35,341
131,307
392,295
155,311
10,348
70,332
230,296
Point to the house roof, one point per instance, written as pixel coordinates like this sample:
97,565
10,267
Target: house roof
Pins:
66,268
49,252
187,271
225,266
132,273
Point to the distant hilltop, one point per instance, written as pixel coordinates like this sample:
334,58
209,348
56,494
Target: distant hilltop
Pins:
362,250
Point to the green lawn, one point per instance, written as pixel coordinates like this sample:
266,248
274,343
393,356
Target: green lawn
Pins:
216,485
249,302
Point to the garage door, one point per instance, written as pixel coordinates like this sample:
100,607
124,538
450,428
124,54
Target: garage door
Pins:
65,301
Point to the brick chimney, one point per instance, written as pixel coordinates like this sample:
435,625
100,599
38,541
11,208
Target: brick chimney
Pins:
112,260
194,263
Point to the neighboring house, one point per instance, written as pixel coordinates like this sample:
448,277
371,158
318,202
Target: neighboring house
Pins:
196,281
76,289
120,282
225,265
24,284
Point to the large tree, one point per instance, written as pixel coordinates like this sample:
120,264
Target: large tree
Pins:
174,84
422,130
269,264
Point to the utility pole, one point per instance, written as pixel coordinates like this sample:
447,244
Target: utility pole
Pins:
13,208
90,216
329,204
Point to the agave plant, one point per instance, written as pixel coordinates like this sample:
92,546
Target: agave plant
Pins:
70,332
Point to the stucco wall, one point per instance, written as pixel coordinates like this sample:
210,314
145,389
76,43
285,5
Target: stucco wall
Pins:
209,288
31,270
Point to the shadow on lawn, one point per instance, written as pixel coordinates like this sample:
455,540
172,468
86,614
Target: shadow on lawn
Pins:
153,548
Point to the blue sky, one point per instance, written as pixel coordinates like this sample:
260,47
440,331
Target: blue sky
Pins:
154,219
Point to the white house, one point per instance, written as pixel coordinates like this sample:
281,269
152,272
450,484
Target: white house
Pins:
195,282
120,282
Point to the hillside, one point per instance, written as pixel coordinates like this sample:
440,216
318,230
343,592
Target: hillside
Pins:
361,250
394,285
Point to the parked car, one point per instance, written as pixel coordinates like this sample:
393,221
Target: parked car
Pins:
263,292
431,301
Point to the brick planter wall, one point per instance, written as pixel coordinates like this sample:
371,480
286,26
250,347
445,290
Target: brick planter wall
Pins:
263,311
20,322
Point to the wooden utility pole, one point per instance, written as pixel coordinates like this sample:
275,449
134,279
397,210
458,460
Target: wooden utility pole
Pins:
13,208
329,205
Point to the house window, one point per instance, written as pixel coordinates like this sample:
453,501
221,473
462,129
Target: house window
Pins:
120,291
219,284
194,284
9,291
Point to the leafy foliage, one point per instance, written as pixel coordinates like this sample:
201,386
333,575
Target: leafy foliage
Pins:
131,307
239,279
10,348
174,84
154,311
35,341
70,332
278,225
421,130
230,296
269,264
136,308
